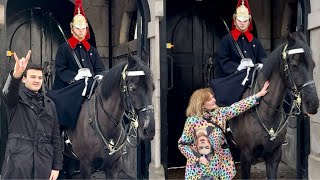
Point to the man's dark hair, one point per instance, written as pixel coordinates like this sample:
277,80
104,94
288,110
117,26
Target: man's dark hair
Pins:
31,66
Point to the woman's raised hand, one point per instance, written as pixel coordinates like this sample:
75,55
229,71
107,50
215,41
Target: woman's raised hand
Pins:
264,90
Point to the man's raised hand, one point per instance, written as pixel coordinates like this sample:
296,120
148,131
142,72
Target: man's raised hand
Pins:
20,65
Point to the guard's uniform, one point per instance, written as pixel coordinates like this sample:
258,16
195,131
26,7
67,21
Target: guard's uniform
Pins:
70,87
227,84
227,87
67,94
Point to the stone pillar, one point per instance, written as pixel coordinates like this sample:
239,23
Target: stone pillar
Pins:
156,170
314,28
1,16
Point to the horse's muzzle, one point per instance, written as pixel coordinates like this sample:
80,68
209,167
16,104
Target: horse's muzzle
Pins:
311,108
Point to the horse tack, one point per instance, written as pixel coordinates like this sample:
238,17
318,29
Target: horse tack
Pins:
93,121
295,90
112,145
257,143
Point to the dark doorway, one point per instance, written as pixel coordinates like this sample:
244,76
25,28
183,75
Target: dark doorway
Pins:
34,25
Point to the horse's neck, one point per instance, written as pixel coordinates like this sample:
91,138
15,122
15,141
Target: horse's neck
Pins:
110,111
276,91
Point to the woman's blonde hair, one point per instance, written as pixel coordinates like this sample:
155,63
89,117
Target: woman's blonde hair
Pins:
196,101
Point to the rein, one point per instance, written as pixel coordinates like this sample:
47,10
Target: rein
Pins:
295,90
112,145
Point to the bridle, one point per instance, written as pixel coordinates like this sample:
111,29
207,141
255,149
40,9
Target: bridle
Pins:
295,90
132,114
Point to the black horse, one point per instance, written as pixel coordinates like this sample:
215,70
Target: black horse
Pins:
261,131
101,131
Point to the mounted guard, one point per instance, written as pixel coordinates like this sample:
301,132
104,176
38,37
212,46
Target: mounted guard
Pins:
77,63
238,53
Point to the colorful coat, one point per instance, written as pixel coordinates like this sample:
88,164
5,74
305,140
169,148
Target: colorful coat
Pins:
221,164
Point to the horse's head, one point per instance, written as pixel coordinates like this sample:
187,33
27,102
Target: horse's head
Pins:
298,70
137,95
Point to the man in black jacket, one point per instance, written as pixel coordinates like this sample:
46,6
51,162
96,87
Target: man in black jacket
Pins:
34,145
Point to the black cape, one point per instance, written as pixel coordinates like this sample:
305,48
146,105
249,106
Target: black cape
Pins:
67,97
229,90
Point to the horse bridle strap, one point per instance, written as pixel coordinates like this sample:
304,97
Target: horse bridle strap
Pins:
133,112
112,145
296,93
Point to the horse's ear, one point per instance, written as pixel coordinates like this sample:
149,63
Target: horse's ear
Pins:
291,40
301,29
145,56
302,34
131,60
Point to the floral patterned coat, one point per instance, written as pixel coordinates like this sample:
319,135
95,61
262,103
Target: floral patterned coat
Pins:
220,164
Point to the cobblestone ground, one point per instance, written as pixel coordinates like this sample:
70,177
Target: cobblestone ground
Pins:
258,171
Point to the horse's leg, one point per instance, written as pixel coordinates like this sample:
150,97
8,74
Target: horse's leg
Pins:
85,169
245,158
116,171
272,163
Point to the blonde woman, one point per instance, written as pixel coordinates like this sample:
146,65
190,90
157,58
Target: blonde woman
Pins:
202,111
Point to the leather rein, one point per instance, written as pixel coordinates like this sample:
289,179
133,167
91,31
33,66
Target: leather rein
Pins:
132,114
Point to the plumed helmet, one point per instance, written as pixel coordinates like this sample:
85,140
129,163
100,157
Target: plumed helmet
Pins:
242,12
79,20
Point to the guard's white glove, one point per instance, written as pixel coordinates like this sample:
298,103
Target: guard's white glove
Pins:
259,65
83,73
245,63
98,77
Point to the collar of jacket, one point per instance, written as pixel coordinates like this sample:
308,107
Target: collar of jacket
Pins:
236,33
73,43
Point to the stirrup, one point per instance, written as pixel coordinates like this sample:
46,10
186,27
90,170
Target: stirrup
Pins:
66,138
67,145
230,137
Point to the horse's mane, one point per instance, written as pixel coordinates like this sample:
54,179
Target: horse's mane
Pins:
112,78
273,61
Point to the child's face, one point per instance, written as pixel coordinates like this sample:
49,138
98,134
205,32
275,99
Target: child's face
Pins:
203,145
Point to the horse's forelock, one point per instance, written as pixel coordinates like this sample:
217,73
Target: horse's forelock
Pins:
112,77
141,66
301,42
111,80
298,40
272,62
